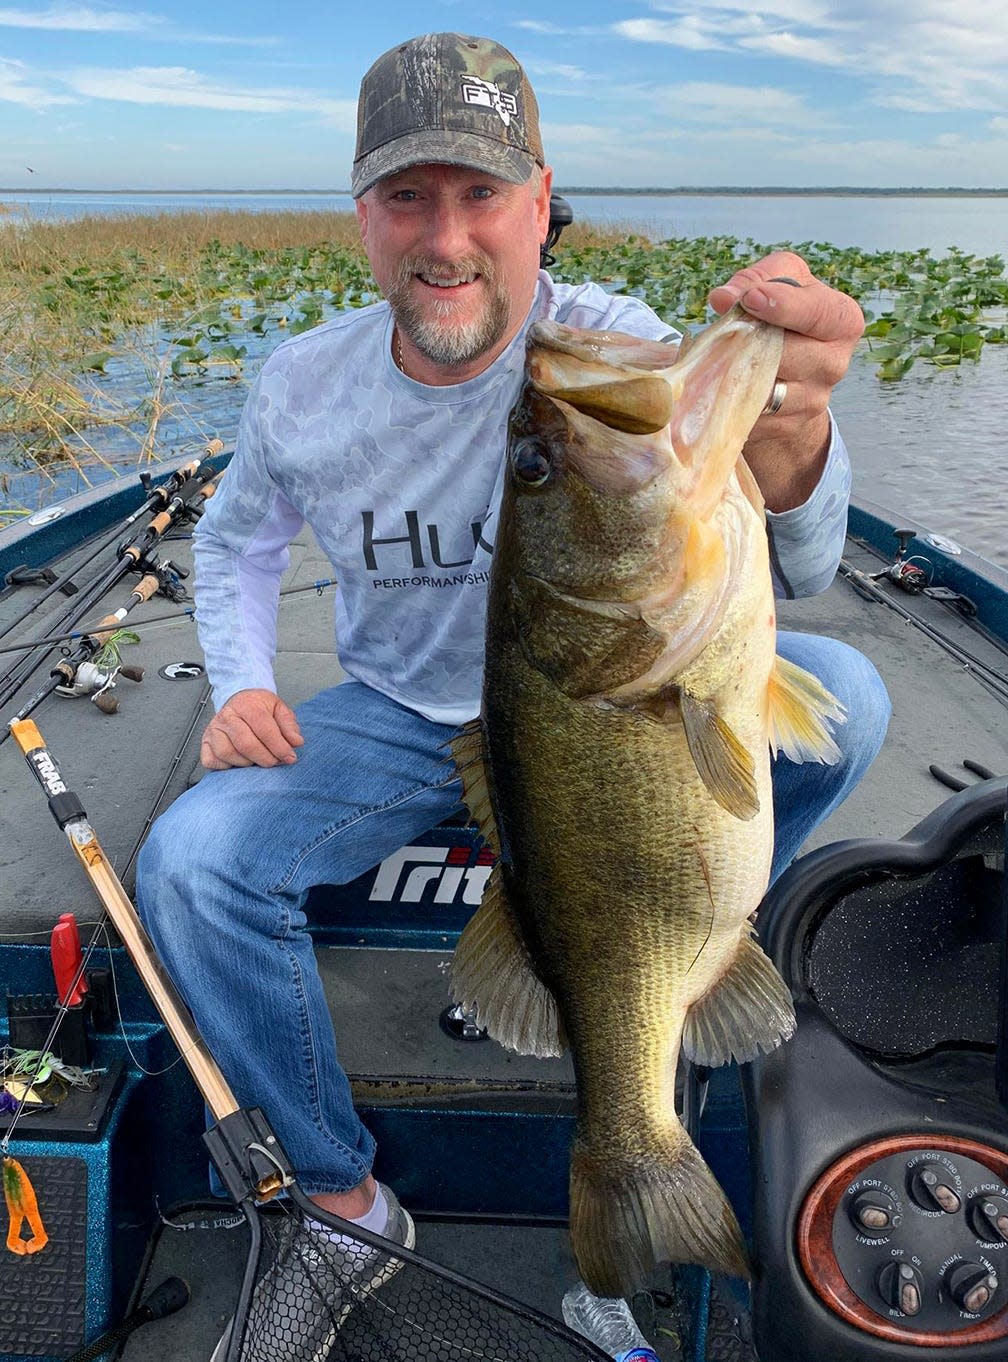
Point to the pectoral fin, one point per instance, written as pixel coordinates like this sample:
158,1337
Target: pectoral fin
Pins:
723,763
492,973
748,1012
800,711
583,651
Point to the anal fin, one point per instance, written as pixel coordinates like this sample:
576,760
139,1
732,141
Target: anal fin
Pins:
492,973
748,1012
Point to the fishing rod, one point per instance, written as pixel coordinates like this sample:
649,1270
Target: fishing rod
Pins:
158,496
185,502
67,671
989,677
433,1310
181,502
53,640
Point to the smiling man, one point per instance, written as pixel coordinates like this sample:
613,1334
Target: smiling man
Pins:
385,431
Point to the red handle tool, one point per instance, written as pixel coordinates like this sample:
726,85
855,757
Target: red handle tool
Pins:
65,949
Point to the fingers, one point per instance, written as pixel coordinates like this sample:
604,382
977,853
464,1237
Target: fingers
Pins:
811,371
254,728
766,290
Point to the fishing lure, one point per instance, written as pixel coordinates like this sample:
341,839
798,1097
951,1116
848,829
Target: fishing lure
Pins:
22,1207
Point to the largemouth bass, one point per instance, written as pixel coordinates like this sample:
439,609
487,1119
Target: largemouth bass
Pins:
621,766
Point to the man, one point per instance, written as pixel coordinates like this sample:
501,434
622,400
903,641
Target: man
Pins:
385,430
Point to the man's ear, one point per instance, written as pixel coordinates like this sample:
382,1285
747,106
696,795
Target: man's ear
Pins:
360,206
543,202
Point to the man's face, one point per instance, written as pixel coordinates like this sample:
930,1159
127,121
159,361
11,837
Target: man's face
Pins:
456,252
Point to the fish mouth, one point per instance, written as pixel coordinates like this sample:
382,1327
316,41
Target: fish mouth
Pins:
605,376
705,395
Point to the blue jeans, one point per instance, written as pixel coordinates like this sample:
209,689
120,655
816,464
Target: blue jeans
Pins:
223,878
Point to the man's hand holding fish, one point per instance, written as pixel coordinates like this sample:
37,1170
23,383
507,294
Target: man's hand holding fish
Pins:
787,449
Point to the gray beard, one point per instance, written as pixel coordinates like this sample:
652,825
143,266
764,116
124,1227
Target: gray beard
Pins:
439,341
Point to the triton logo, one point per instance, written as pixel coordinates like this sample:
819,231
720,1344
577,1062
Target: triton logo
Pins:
48,774
407,875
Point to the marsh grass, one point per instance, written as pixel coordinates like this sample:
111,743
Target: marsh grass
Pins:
165,295
105,320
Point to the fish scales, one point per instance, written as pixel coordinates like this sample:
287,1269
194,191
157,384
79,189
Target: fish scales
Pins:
628,712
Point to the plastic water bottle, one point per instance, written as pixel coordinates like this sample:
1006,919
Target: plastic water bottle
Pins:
607,1323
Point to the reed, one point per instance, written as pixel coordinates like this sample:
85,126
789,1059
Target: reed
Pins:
165,297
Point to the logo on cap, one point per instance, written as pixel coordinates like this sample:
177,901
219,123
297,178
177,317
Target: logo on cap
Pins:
490,96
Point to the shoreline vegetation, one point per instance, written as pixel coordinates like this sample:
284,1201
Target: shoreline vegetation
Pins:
111,326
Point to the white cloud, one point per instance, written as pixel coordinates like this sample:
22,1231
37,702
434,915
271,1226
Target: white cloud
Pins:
78,19
915,54
552,30
16,88
800,48
179,86
794,11
559,69
687,32
710,102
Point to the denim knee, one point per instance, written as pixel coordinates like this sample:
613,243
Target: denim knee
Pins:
182,847
861,690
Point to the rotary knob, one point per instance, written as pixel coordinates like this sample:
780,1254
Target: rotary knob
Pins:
900,1286
971,1286
930,1188
874,1212
988,1218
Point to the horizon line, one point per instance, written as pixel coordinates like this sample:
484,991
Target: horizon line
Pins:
614,190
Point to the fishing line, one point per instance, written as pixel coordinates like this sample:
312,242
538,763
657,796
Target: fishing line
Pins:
189,613
172,768
151,1073
100,931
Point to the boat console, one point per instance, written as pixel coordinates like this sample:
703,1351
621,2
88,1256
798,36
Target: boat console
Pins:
879,1134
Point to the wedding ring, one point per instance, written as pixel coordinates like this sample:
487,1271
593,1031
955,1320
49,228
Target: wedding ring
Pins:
776,399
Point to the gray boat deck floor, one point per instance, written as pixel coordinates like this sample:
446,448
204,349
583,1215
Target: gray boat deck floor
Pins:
117,765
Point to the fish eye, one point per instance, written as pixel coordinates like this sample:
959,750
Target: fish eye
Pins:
531,462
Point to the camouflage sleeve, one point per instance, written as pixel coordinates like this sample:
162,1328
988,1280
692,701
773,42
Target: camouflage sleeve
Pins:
241,553
807,541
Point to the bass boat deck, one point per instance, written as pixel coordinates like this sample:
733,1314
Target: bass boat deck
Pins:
473,1139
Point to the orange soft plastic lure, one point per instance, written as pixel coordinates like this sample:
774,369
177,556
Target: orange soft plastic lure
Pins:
22,1206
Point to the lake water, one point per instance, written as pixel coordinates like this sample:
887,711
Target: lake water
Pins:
877,222
932,446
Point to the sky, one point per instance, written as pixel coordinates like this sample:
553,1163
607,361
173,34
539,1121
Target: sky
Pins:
252,94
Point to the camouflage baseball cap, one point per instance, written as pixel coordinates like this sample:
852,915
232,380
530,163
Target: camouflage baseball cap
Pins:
446,98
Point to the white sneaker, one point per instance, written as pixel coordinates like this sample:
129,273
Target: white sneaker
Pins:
317,1277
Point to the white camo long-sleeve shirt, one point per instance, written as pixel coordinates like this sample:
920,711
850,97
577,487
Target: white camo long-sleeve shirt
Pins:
401,484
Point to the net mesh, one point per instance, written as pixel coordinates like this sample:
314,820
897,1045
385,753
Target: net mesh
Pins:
321,1296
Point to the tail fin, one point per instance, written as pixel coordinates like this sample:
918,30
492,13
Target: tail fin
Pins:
665,1205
